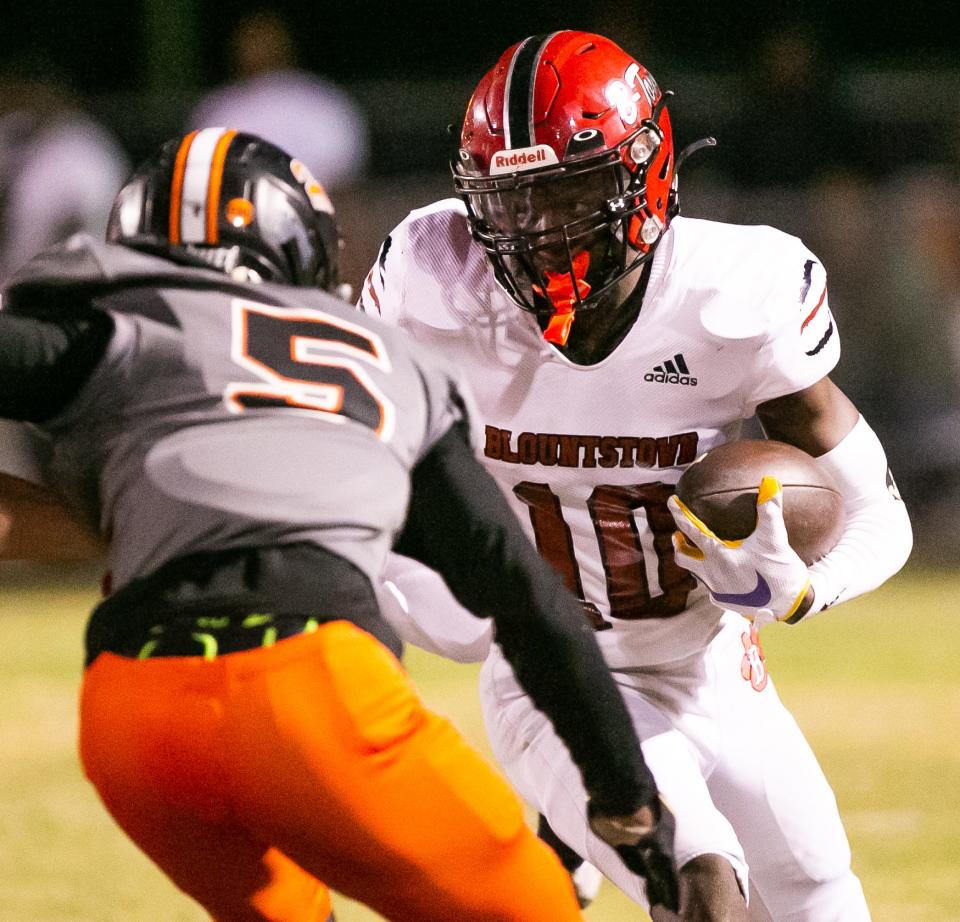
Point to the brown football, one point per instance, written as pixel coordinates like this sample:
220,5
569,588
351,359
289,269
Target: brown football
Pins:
721,489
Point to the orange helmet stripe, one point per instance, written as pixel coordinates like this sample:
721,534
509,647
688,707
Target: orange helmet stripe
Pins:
216,180
176,186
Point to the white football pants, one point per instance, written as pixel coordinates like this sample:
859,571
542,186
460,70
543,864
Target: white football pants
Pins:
731,762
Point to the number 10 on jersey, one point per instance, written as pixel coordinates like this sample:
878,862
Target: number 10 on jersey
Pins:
613,512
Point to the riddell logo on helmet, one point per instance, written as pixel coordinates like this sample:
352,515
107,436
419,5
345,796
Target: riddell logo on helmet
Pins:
522,158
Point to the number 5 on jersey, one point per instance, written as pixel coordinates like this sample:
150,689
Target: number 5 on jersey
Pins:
309,360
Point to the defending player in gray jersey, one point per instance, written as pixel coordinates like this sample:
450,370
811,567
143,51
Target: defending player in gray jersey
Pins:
252,452
175,437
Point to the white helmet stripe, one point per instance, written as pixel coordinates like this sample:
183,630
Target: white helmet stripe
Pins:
196,185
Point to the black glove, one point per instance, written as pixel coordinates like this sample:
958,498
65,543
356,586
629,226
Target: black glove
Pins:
645,847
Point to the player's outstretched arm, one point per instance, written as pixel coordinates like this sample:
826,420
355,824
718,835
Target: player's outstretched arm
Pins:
45,361
460,525
42,365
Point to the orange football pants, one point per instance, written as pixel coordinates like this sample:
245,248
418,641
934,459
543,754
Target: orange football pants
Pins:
256,779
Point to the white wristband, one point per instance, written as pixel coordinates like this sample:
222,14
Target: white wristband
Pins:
877,539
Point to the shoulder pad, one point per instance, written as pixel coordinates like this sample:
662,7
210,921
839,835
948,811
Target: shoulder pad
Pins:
746,280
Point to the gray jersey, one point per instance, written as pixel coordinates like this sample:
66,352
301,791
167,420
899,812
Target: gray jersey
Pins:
280,428
176,440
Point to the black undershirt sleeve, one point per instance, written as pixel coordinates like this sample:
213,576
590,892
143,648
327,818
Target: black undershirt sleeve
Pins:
461,526
45,361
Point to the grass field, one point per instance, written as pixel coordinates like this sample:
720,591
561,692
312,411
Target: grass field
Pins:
875,685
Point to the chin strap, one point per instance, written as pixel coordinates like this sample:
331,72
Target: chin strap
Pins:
559,292
674,205
692,149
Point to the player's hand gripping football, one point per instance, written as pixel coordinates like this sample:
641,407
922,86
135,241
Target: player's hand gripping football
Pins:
759,576
644,841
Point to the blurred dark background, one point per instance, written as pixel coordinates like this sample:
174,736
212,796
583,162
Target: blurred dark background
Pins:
882,62
107,44
836,122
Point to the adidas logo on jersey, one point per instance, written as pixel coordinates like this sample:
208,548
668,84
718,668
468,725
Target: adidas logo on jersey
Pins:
672,371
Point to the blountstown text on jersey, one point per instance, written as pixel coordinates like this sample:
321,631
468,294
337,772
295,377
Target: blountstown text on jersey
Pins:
564,450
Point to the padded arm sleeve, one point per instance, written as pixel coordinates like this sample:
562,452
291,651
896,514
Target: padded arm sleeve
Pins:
24,451
460,525
43,363
878,538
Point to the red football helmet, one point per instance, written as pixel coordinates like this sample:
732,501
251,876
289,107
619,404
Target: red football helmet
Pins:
567,169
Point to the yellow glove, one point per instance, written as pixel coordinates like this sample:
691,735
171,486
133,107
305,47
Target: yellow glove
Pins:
759,576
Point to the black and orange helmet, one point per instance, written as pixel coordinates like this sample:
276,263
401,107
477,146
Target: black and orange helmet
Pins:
234,202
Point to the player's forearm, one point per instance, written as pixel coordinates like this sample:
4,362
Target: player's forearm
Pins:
36,525
557,661
24,451
461,526
877,539
44,362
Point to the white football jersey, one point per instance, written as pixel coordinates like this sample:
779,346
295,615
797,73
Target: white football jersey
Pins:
732,316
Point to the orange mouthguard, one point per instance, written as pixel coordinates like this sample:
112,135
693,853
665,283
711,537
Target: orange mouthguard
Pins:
559,292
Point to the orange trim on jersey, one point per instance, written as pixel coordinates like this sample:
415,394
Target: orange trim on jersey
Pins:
813,313
234,394
371,291
216,180
176,186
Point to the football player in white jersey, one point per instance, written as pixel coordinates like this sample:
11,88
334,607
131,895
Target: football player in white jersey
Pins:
610,342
